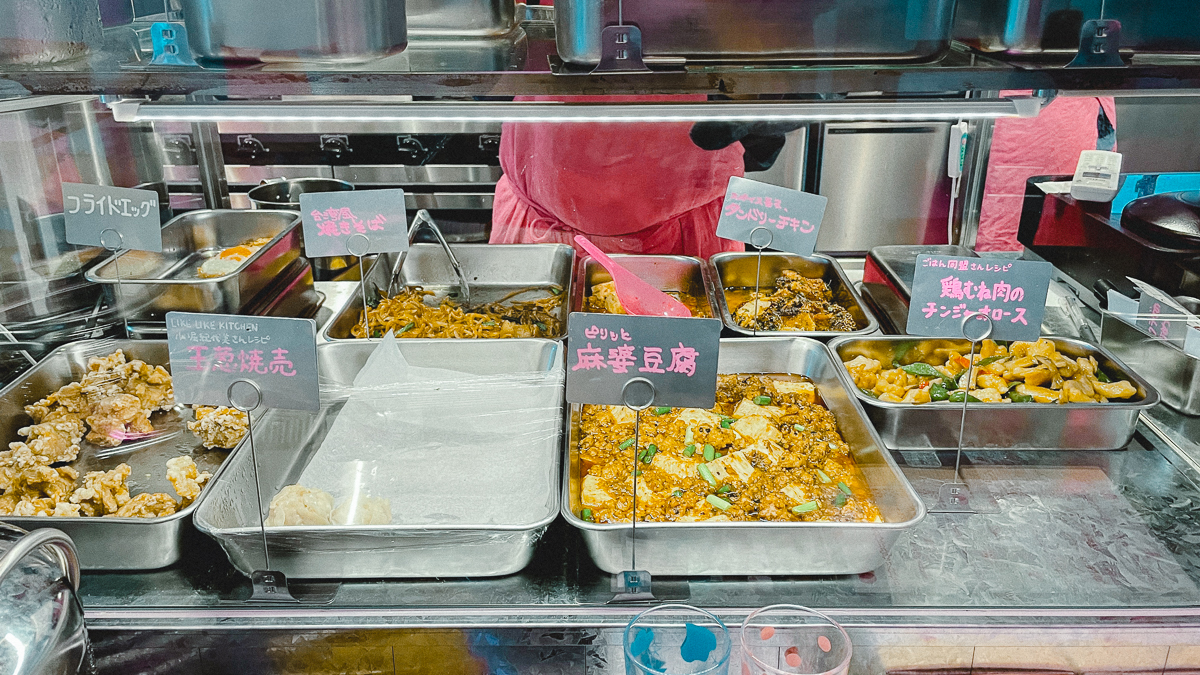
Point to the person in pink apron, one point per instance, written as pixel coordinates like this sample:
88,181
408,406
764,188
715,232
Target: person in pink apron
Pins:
630,187
1046,145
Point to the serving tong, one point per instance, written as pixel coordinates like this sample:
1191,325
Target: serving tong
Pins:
423,219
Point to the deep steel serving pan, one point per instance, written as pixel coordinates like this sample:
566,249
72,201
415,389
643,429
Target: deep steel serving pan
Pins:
679,273
1017,426
492,271
153,284
736,270
744,548
288,441
116,543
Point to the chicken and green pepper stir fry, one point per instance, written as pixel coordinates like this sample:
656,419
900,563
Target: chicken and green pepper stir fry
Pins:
1022,372
768,451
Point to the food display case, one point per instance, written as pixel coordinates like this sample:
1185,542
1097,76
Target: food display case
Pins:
442,507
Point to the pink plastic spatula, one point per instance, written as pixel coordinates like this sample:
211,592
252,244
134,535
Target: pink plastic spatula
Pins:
636,296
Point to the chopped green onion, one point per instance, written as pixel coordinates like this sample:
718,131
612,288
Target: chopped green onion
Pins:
717,502
637,473
642,455
586,514
762,400
723,489
688,437
824,476
556,290
409,326
706,474
799,427
489,323
710,453
725,423
662,410
844,488
806,507
650,451
625,444
840,500
542,327
676,492
689,450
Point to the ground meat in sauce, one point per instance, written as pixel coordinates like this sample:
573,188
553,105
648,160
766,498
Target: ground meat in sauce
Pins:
767,459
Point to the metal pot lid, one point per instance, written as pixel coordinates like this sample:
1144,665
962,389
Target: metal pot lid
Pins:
1170,219
40,618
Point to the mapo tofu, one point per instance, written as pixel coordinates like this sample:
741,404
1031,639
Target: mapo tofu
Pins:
769,450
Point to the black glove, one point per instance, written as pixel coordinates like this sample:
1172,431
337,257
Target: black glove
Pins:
761,141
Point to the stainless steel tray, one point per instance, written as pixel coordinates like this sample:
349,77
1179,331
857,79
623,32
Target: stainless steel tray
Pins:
153,284
736,270
800,30
285,31
744,548
1019,27
679,273
1170,369
492,271
116,543
460,18
287,442
1015,426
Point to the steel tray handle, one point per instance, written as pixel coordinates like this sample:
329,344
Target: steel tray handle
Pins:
56,540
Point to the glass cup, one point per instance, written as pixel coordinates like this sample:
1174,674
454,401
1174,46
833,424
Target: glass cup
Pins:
676,640
793,640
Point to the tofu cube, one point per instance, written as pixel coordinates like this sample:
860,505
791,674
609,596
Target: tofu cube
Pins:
757,428
734,464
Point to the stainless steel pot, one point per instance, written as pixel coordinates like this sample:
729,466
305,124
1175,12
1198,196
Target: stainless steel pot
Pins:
284,194
47,31
40,616
283,30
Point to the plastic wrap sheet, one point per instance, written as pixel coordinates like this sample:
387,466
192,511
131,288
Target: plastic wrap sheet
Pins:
406,471
435,446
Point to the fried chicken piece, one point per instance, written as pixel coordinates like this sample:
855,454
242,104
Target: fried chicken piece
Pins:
103,492
811,289
299,505
14,461
147,505
8,502
98,365
151,384
34,507
66,510
115,417
220,427
187,480
57,439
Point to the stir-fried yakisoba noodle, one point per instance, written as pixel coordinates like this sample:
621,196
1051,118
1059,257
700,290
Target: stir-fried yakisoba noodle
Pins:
407,316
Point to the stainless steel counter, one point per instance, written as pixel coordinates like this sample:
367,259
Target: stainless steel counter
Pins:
1080,558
